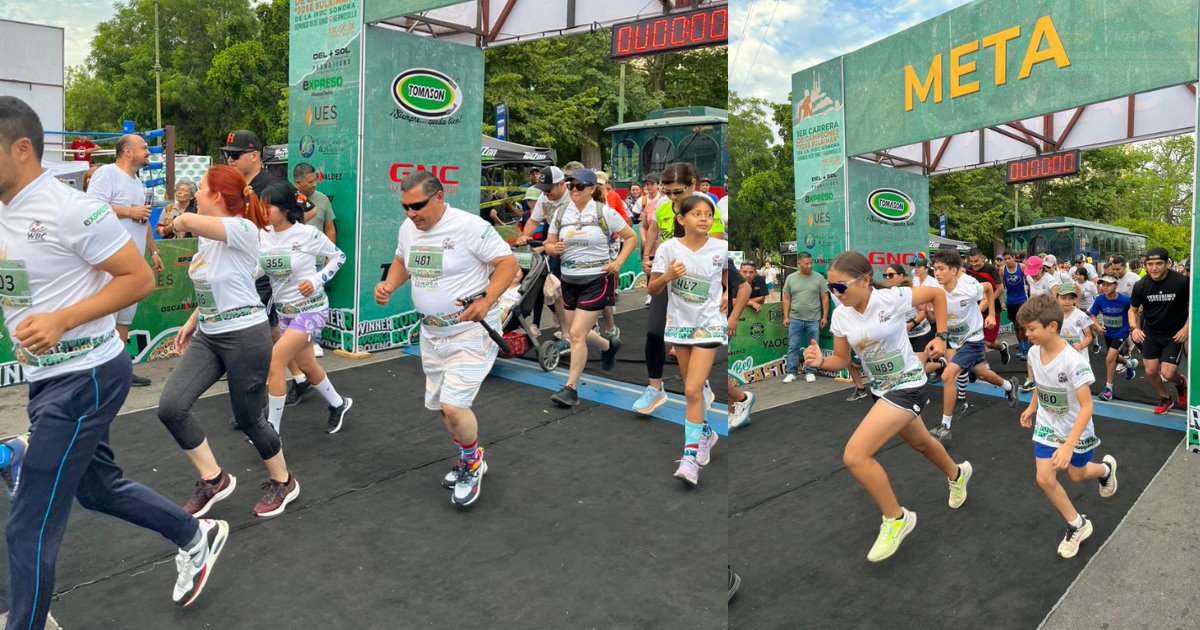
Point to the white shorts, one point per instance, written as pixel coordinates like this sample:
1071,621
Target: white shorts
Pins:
455,367
125,315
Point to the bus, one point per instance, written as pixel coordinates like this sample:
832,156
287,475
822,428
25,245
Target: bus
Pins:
1064,237
682,134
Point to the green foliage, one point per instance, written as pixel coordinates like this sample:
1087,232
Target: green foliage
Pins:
749,143
764,215
1175,238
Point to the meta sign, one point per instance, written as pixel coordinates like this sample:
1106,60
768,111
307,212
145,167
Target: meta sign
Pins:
1043,167
668,33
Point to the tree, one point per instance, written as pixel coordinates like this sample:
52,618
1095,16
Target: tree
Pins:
749,141
765,215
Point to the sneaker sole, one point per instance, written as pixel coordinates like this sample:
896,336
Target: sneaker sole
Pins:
342,417
475,496
1112,478
658,402
220,496
708,457
291,496
214,552
900,539
689,482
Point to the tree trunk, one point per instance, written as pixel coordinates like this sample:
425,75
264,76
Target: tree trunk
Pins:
589,149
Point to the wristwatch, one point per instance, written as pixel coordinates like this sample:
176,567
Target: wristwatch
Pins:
944,336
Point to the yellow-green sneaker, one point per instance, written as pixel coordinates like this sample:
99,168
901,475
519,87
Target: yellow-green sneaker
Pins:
891,534
958,487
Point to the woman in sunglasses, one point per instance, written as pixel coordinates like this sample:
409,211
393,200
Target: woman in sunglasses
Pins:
579,235
693,265
872,320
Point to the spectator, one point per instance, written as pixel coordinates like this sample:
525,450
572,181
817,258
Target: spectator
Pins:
758,286
805,313
635,193
83,148
770,274
705,184
185,201
321,214
532,192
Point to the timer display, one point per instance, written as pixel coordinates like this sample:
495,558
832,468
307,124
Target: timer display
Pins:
1043,167
669,33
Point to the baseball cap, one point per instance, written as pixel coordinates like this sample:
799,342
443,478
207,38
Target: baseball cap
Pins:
1067,288
584,176
1079,258
551,175
242,140
1033,266
1158,253
1050,261
919,259
1107,280
601,177
571,167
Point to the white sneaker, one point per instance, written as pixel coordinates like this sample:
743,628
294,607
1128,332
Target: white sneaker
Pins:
648,298
740,413
318,350
810,378
790,378
195,565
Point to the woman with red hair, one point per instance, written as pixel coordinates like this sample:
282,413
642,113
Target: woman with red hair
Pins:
227,333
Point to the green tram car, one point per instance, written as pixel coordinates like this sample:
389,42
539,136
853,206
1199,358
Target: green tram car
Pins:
1064,237
682,134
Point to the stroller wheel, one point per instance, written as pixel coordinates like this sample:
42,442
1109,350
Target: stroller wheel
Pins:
547,354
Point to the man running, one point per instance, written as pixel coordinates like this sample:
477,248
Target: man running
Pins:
1163,297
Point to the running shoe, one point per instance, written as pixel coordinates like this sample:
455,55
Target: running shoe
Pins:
689,470
139,381
891,533
1132,371
739,414
958,487
790,378
1005,355
608,358
709,397
1120,368
810,378
1070,542
451,477
318,351
615,333
1013,393
564,346
276,496
194,566
1027,386
209,492
940,433
565,397
1109,488
1095,348
1163,406
857,394
337,415
651,399
735,583
961,405
11,472
1022,355
704,448
469,482
296,392
1106,394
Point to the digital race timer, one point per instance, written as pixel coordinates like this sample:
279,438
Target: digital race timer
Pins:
1043,167
668,33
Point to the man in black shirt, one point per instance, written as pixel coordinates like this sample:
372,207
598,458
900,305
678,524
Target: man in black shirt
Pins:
740,402
1162,295
758,286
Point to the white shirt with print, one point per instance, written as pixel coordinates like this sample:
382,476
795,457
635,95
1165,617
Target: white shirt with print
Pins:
694,313
1043,284
1073,327
924,325
290,257
1058,404
115,187
1125,283
587,246
879,338
962,305
223,275
51,239
446,263
545,207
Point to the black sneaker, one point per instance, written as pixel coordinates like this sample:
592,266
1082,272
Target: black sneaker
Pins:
337,414
1012,393
566,397
139,381
858,394
1004,354
961,405
1027,386
609,357
296,392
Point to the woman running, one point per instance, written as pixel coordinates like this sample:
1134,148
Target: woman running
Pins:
288,254
693,264
871,320
233,338
579,235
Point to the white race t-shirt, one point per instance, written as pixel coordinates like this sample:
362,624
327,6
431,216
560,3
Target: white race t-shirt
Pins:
546,207
965,319
223,274
587,246
448,262
879,338
1073,327
924,325
694,313
1087,295
116,188
52,237
1058,404
290,257
1043,284
1125,283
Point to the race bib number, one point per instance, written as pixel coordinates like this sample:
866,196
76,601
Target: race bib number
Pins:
14,284
206,302
1116,323
425,265
1072,339
885,366
691,288
524,259
1053,399
960,329
276,263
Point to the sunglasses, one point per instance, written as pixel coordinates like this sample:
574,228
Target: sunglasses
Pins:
578,186
889,276
841,287
233,155
420,205
674,193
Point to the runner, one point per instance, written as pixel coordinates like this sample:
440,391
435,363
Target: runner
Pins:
740,402
920,332
288,254
448,253
871,320
1041,281
1015,294
1087,296
984,272
1111,314
1162,295
227,334
693,265
579,236
65,337
1063,434
1076,325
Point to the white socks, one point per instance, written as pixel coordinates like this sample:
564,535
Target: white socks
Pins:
329,393
275,410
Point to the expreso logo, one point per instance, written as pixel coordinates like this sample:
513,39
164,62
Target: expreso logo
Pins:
426,93
891,205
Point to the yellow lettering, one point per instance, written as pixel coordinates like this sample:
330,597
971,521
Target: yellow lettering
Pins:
1044,30
999,41
959,70
921,88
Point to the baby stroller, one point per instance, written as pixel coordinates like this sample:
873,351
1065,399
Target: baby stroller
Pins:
517,326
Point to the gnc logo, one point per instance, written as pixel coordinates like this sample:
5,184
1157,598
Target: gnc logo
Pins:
889,258
444,173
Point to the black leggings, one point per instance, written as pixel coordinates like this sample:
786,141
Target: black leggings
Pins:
656,345
245,355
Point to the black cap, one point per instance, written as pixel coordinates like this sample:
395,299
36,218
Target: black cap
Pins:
242,140
1079,258
1158,253
705,180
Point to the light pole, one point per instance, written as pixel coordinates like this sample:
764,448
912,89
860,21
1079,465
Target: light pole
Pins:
157,74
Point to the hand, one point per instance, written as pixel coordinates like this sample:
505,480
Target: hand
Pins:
156,262
521,240
647,265
1181,336
39,333
612,268
1100,327
1027,417
676,270
184,336
1062,456
556,248
1138,336
139,213
1079,346
787,322
305,287
813,355
824,320
990,321
477,311
756,306
936,348
383,293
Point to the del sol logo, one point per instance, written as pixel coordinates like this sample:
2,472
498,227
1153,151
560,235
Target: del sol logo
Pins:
891,205
426,94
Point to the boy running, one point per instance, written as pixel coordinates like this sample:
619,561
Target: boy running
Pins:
1111,314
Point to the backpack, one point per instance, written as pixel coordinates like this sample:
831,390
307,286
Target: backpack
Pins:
614,246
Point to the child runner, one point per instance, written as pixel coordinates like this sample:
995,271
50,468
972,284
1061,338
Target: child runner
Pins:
920,332
68,267
1087,295
693,265
1076,325
288,255
965,296
234,338
871,320
1063,435
1015,294
1111,314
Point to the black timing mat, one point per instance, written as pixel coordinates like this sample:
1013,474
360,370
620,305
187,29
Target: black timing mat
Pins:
801,526
580,523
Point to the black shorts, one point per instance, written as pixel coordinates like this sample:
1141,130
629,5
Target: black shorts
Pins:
592,295
1115,343
911,399
919,343
1166,349
263,285
1012,309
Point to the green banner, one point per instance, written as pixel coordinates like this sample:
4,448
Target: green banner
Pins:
323,81
889,210
759,349
1193,367
995,61
818,136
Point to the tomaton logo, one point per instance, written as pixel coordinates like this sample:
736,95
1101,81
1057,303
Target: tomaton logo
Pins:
891,205
426,93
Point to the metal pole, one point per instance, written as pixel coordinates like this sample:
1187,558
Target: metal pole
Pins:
621,98
1016,209
157,74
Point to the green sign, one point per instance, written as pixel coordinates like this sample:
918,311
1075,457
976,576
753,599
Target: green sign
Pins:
1193,368
889,210
818,135
759,349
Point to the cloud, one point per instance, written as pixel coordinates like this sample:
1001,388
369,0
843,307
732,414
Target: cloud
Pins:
77,18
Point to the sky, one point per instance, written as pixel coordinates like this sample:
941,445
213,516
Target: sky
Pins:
77,17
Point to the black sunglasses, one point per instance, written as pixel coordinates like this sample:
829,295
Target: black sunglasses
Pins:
890,275
233,155
420,205
579,186
675,193
840,287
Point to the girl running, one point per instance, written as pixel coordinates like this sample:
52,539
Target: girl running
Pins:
693,264
872,320
288,255
234,338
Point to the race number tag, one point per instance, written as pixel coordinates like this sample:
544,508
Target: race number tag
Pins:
14,284
206,302
960,329
1114,323
691,288
524,259
276,263
885,366
425,265
1053,399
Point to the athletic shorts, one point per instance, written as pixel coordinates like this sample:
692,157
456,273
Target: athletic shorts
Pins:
910,399
1166,349
310,323
125,315
1013,309
263,286
455,366
990,334
1078,460
969,355
919,343
1115,343
593,295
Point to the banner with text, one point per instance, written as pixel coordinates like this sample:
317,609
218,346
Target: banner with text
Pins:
818,136
889,210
